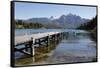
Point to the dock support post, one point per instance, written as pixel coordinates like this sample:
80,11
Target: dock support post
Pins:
31,47
39,42
47,40
31,51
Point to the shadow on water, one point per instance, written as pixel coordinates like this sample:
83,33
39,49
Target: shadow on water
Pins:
76,47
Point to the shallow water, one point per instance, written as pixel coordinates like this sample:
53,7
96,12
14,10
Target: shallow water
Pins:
72,48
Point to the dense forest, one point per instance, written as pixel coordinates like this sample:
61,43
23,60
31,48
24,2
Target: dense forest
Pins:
91,26
23,25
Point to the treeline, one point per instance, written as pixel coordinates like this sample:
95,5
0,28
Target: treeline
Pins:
89,25
92,27
23,25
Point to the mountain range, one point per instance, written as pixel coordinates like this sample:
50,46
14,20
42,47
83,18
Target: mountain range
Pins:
64,21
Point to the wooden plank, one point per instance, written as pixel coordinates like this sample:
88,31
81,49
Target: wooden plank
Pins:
25,38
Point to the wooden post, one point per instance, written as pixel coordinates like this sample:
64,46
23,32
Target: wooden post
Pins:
31,51
47,40
39,42
27,46
31,47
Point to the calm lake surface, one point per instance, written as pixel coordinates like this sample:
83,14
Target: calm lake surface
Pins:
72,48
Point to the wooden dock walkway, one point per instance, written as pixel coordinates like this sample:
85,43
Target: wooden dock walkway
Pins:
25,38
30,40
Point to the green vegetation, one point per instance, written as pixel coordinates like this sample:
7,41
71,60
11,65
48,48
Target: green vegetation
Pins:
92,24
23,25
94,60
92,27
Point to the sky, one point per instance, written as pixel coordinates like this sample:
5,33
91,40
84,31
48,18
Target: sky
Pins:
25,10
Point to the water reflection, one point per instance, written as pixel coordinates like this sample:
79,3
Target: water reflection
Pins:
41,53
74,47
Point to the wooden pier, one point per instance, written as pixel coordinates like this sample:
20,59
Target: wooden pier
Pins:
29,41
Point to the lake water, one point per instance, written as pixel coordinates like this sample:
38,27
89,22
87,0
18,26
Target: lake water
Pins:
19,32
72,48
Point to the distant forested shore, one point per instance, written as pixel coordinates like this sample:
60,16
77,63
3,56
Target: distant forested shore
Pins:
23,25
20,24
90,26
